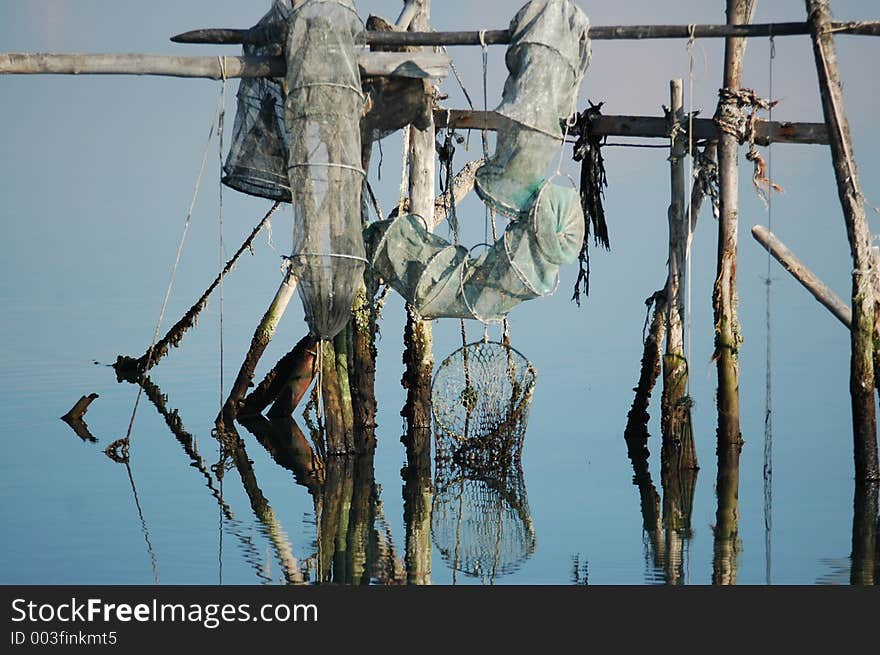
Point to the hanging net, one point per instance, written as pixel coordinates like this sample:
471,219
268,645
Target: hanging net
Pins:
480,397
257,159
323,108
442,280
547,57
480,518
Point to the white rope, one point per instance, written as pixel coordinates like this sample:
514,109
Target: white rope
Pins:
404,166
168,290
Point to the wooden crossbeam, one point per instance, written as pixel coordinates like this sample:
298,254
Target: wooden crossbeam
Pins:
648,127
275,33
372,64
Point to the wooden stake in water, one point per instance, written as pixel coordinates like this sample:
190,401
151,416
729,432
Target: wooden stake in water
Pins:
861,381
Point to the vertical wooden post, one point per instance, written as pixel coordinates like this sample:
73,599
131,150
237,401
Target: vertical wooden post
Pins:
418,357
861,380
724,298
675,405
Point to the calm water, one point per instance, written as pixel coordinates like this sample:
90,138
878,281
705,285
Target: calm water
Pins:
93,202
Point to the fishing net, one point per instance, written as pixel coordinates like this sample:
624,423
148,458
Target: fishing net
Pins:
257,159
547,57
442,280
480,397
323,107
480,518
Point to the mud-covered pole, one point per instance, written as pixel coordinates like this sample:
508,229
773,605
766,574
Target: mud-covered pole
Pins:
418,355
861,380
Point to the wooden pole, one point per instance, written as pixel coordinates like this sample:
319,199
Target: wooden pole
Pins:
262,36
129,367
724,298
861,381
648,127
802,274
374,64
674,405
418,356
262,336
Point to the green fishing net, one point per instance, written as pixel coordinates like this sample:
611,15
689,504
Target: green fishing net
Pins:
323,107
547,58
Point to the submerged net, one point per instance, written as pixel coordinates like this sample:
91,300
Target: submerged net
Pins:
480,518
323,107
257,159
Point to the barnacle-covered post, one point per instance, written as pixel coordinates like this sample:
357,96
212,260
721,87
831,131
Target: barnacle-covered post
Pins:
418,356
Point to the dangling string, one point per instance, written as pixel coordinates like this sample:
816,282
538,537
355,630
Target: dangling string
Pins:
404,178
690,223
768,380
222,254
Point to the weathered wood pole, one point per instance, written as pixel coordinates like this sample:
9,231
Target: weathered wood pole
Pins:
262,336
418,356
861,380
675,405
802,274
724,297
865,554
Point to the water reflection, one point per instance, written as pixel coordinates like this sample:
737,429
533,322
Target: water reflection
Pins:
666,522
481,522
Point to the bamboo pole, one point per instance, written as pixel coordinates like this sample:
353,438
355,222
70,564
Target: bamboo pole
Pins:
724,297
227,36
862,372
648,127
374,64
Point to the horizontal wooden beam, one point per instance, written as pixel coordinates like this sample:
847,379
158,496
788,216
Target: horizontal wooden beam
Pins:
648,127
372,64
275,33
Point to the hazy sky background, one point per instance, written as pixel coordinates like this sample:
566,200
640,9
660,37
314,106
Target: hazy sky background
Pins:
96,174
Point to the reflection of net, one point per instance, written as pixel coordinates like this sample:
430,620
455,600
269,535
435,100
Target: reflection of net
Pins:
480,398
480,520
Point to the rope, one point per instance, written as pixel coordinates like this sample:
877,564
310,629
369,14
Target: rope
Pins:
222,255
122,445
768,380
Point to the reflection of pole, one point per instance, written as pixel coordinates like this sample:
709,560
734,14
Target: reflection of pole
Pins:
417,499
726,548
865,535
234,446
